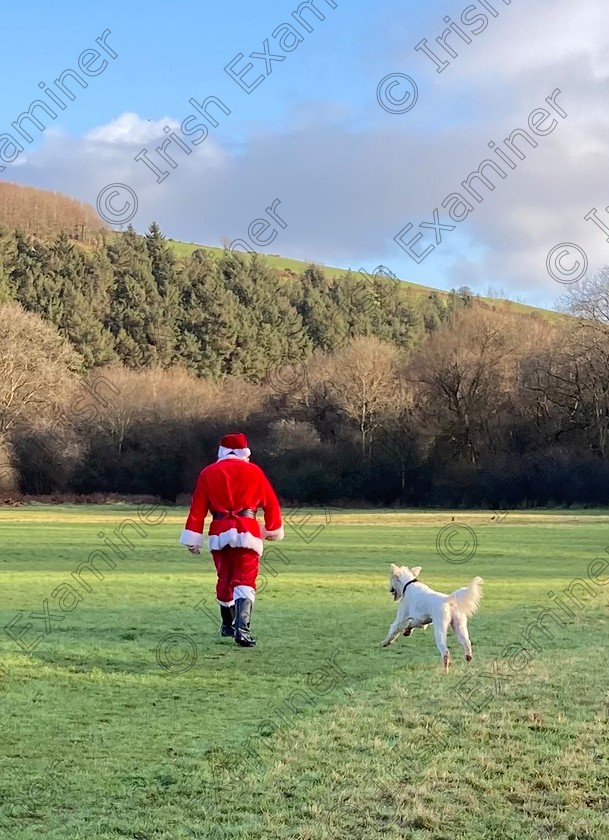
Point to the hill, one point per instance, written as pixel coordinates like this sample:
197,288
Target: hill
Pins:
44,215
291,268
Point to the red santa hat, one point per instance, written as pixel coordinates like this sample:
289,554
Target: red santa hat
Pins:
235,445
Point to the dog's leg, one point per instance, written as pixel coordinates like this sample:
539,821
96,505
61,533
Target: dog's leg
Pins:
440,631
394,631
408,627
459,625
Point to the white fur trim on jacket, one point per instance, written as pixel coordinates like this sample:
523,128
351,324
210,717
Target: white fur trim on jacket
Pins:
243,454
279,534
191,538
234,539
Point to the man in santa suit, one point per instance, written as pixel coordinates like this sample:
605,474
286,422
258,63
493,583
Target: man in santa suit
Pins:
231,490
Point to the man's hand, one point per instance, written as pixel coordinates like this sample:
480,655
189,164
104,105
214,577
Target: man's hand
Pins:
194,549
273,536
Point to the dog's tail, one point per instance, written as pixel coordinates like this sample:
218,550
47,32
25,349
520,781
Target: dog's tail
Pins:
468,597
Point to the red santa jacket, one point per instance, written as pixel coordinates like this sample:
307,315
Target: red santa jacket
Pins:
227,486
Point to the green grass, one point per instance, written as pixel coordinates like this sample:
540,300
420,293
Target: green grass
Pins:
100,741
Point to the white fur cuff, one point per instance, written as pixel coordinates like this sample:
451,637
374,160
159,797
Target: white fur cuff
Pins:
234,539
191,538
279,534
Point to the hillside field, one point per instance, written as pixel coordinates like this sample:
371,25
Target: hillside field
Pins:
129,717
286,265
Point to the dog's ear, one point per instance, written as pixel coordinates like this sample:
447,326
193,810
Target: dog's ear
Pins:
416,571
394,569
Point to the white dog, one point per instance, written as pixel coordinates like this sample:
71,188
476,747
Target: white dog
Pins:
421,606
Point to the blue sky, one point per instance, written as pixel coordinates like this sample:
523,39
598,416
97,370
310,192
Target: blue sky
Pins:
349,174
166,56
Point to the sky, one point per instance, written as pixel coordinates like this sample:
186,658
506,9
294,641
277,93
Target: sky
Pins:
359,141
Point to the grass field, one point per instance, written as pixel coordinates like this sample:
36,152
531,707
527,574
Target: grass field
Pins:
130,718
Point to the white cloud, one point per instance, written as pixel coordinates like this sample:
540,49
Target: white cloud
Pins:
528,38
130,129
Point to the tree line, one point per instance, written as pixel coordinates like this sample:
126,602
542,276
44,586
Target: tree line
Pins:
46,214
130,300
122,365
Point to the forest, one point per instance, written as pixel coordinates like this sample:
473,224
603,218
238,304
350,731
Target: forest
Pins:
122,364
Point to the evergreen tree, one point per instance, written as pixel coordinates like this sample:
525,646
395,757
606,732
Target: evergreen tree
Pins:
434,311
208,318
325,326
162,260
280,331
28,279
136,311
164,271
87,303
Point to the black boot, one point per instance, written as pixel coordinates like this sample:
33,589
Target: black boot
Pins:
243,614
228,620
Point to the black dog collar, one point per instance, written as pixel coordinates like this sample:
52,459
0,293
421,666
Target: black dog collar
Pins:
406,585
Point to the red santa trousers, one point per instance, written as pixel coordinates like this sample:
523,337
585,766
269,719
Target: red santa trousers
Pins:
237,572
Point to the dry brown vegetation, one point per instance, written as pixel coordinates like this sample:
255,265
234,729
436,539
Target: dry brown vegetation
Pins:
46,214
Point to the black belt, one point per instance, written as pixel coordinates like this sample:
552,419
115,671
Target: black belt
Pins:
248,513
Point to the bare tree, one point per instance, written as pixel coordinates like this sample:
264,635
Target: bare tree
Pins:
37,369
589,299
578,381
155,396
45,214
465,376
570,382
37,380
363,379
